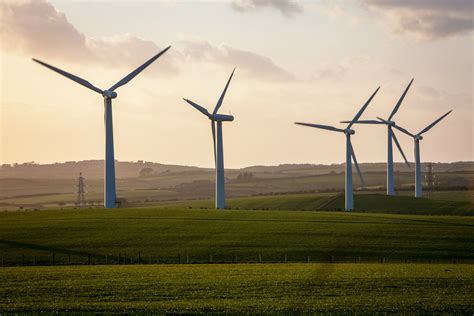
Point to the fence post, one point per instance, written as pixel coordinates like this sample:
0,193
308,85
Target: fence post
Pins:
157,259
259,258
286,258
139,258
54,259
236,259
309,259
187,258
331,259
69,259
106,259
179,258
89,259
210,258
382,260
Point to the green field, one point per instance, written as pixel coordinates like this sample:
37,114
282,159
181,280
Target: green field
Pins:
446,203
428,259
241,288
174,233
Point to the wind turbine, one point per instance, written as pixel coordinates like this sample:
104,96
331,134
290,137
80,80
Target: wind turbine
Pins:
108,95
350,154
218,142
390,136
417,138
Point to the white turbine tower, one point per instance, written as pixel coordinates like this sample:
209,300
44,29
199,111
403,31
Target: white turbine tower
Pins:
218,142
350,154
390,136
108,95
417,138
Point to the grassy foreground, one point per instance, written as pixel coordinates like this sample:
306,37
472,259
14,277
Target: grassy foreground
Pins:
173,233
254,288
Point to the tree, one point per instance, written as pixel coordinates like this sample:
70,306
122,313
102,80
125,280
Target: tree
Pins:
245,176
146,172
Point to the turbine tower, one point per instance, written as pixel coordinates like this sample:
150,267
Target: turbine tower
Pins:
390,123
350,154
108,95
218,142
417,138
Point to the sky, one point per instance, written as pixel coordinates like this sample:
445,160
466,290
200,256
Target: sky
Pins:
307,61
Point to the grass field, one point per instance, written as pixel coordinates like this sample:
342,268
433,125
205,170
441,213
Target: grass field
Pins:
241,288
445,203
278,229
172,232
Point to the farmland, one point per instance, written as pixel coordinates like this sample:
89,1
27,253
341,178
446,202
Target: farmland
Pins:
52,186
172,231
237,288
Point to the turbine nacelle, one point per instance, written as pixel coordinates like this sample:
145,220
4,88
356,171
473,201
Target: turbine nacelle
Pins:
107,94
349,131
418,137
221,118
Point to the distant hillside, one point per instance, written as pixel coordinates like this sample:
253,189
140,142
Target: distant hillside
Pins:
462,166
33,185
93,169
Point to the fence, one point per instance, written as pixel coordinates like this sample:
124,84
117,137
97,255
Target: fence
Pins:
54,259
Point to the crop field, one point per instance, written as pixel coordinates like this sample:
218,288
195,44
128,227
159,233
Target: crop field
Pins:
444,203
237,288
173,234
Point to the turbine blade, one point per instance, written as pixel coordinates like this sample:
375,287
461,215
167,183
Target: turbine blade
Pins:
327,127
219,103
199,108
363,122
213,126
77,79
382,120
400,149
395,109
357,165
427,128
356,118
134,73
401,129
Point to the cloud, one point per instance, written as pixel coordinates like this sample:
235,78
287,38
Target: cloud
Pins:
427,19
286,7
36,28
251,64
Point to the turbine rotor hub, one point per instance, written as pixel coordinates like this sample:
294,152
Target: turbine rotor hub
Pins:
222,118
109,94
418,137
391,123
349,131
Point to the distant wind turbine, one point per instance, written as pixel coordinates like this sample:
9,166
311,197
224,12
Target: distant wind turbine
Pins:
391,135
417,138
218,142
350,154
109,94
